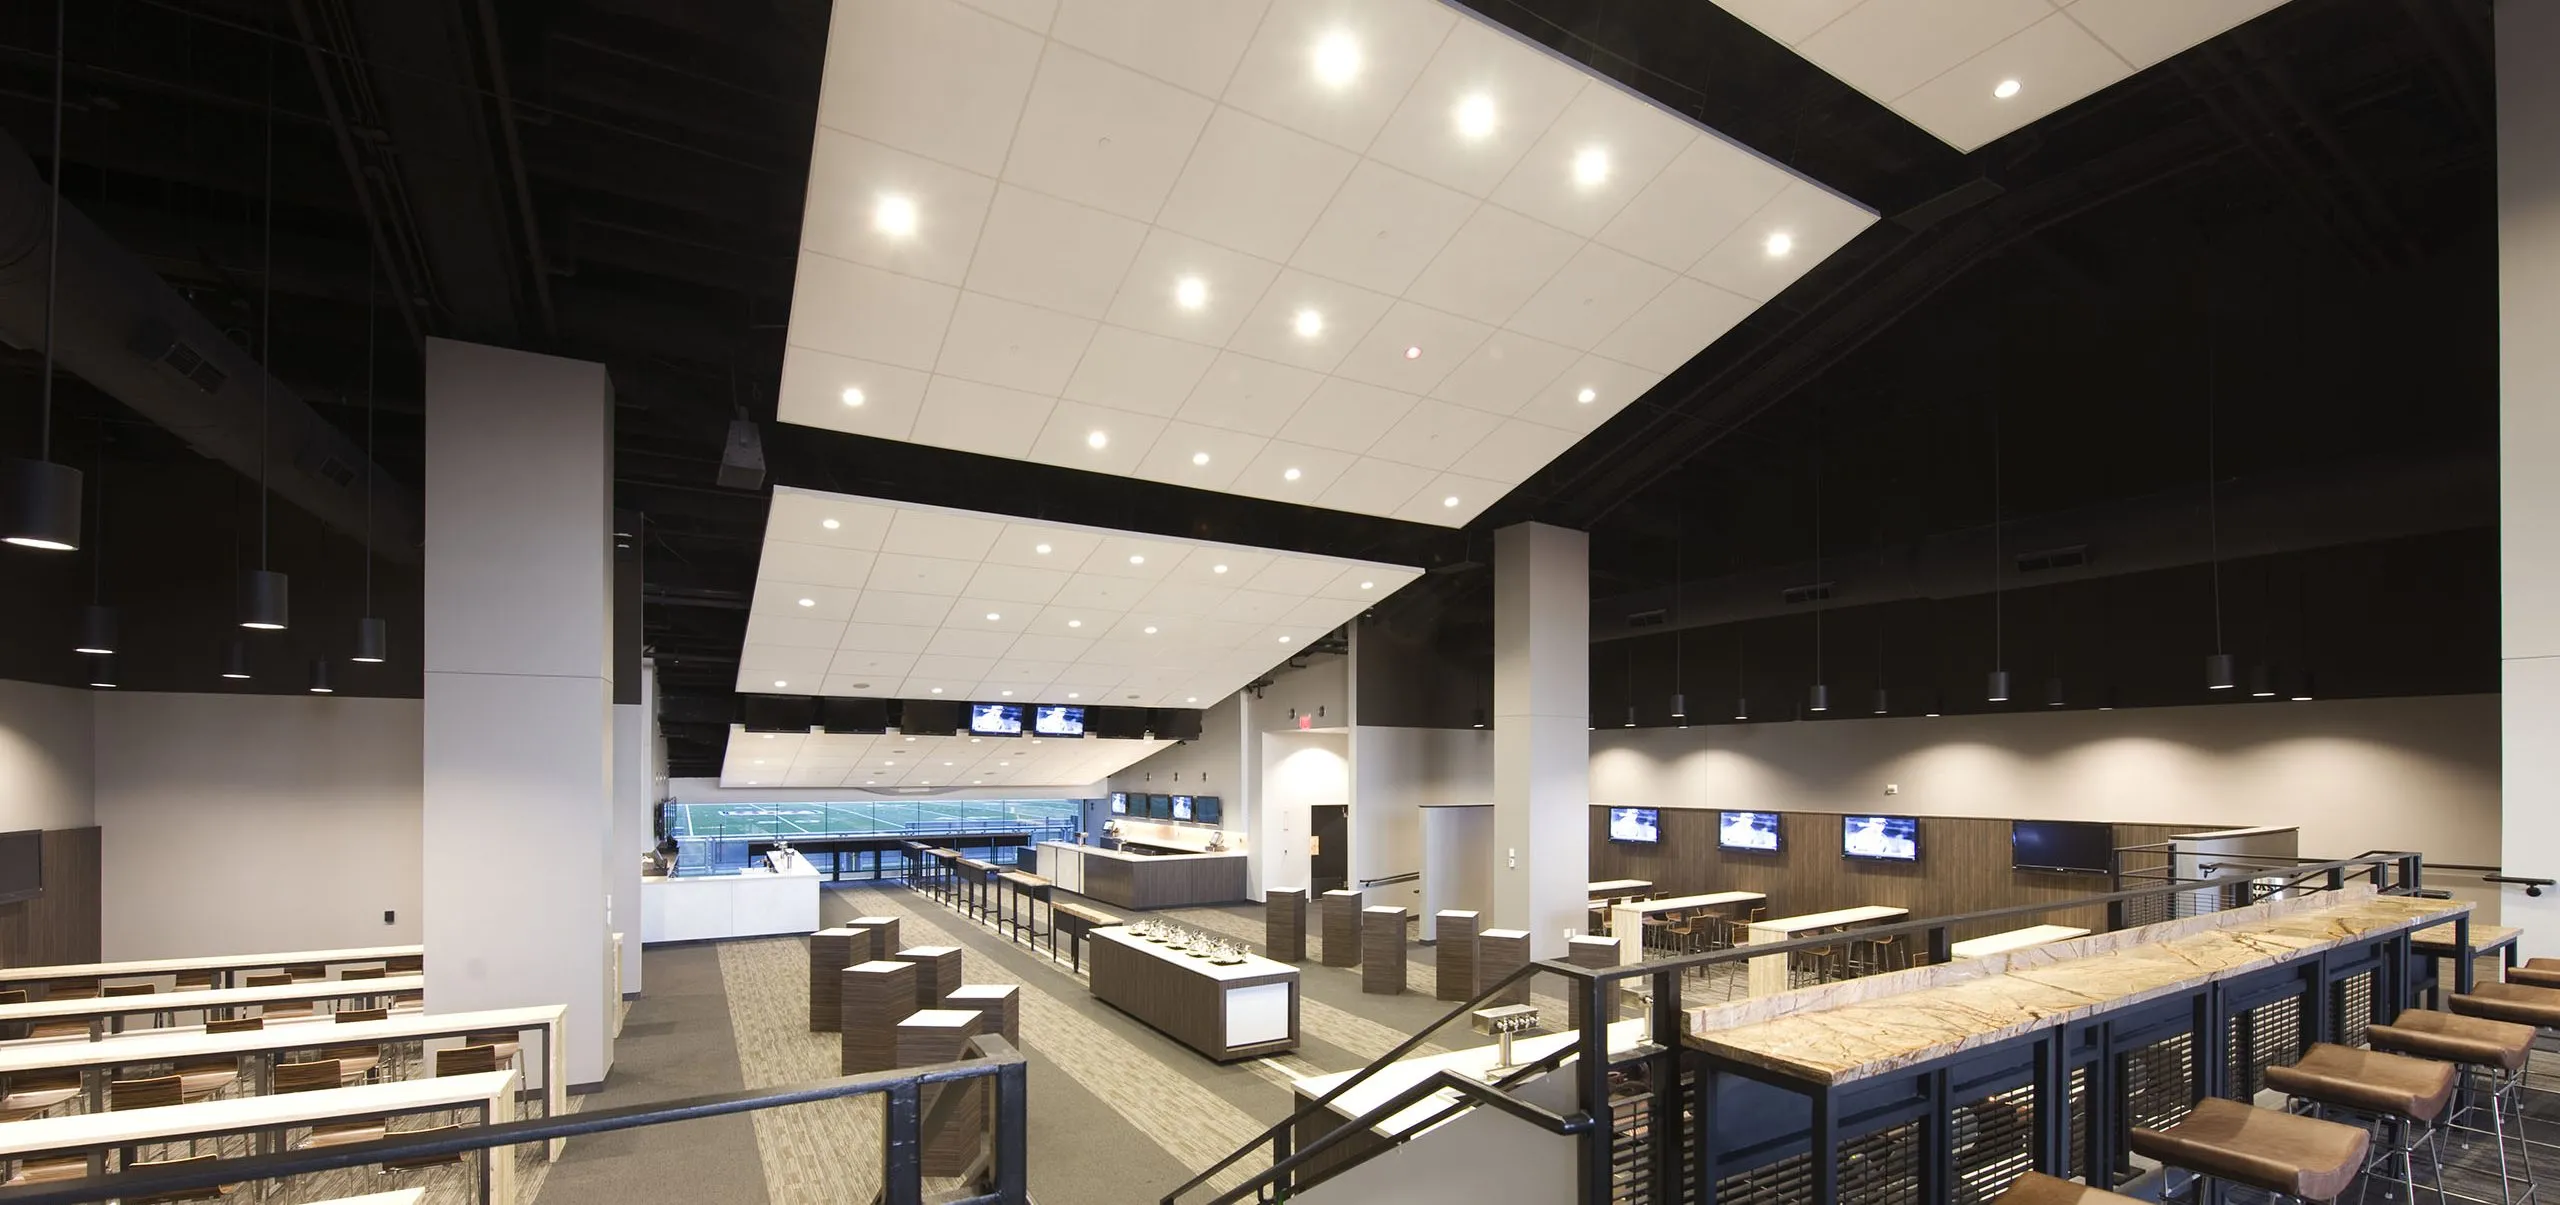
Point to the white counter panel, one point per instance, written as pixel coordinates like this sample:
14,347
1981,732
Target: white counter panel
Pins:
709,907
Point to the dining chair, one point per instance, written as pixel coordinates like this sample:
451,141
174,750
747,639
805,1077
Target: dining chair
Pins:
209,1193
318,1075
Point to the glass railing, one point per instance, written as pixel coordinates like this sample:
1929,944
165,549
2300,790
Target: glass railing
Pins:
723,838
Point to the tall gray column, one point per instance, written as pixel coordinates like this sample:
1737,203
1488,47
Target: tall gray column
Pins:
519,726
1542,732
2528,33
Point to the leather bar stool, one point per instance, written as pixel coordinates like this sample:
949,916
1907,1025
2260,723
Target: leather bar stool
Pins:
2037,1188
2406,1094
2294,1157
2495,1050
2536,972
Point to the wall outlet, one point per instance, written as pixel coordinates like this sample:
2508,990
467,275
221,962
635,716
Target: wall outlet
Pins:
1893,788
386,916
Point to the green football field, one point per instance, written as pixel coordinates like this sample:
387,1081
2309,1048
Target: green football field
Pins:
852,819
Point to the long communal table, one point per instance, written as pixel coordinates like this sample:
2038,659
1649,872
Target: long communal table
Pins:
98,1060
489,1093
99,1010
225,967
1029,891
1769,971
1626,921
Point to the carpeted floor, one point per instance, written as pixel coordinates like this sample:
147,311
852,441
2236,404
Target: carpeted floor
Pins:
676,1041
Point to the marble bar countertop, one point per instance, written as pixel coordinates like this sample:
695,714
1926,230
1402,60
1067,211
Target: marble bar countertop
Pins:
2045,986
2484,938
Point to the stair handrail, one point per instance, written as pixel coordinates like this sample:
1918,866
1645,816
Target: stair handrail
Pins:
1560,1124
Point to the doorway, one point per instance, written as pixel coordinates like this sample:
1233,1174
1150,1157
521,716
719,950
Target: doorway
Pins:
1329,853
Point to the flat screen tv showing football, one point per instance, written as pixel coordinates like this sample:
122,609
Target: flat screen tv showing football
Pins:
2077,847
1119,803
995,719
1753,832
1206,809
1641,826
1159,807
1880,838
1182,807
1047,720
21,865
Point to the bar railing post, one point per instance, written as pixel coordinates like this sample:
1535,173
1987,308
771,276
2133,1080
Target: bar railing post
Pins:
1663,1128
904,1182
1013,1124
1939,955
1591,1046
2337,878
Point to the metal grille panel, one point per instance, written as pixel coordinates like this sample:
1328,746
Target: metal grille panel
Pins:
2159,1082
1994,1142
1882,1168
2269,1035
2351,1003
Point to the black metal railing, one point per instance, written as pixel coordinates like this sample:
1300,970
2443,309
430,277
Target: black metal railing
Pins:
1597,991
917,1105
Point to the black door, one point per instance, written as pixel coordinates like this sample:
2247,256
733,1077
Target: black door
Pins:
1329,859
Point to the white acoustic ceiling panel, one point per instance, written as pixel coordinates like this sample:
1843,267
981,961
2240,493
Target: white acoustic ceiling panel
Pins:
1379,256
1970,71
895,761
867,597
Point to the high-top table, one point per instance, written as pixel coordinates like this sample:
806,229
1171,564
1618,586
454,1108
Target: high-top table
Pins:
1626,921
1224,1012
225,967
2014,939
1603,888
1769,971
101,1009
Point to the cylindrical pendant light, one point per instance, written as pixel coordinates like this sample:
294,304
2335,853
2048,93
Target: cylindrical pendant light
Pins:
1818,698
1742,709
320,684
1996,686
2053,696
263,600
262,591
1937,705
102,672
1883,705
2302,687
1679,706
2219,673
2262,681
1479,717
1631,716
97,630
235,660
40,500
373,641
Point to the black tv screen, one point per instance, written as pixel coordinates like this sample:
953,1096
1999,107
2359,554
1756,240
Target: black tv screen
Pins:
1754,832
1642,826
1205,809
1881,838
995,719
1182,807
2076,846
1051,720
1119,803
1159,807
21,865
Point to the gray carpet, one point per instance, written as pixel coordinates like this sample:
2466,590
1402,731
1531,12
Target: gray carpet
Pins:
677,1041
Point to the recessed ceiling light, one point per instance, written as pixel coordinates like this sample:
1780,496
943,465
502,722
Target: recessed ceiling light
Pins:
1042,549
808,602
1337,58
871,782
946,763
759,761
894,216
1199,458
779,682
1781,243
937,690
1075,623
1309,323
993,617
1192,699
1590,166
1587,396
753,783
829,524
888,763
1151,630
852,396
911,738
2007,89
1006,693
1137,560
1097,439
1451,500
1475,115
1413,353
1290,474
768,736
1368,585
1191,292
976,740
1284,640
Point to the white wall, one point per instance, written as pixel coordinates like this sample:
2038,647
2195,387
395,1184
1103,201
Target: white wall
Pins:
1300,770
46,737
1395,773
2528,38
1212,765
257,822
2357,774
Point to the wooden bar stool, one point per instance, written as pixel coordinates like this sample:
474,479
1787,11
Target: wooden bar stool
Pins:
2037,1188
2496,1050
2294,1157
2408,1094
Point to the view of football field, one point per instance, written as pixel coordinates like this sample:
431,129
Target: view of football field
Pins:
718,820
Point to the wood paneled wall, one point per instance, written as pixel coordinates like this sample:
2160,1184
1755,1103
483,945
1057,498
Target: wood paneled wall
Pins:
1963,867
62,925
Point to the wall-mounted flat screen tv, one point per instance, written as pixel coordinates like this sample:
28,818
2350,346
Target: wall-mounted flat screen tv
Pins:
1642,826
2075,846
1159,807
21,865
995,719
1206,809
1119,803
1881,838
1182,807
1755,832
1047,720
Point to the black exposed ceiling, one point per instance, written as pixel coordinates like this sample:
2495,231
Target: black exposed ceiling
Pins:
2305,205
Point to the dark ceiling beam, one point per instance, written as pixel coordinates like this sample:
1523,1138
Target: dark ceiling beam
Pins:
513,149
2373,210
2241,115
392,250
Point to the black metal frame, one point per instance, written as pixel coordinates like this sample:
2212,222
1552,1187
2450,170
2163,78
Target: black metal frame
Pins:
907,1091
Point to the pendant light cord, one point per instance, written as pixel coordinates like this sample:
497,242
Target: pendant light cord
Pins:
2213,482
1822,601
370,260
266,306
1998,648
53,233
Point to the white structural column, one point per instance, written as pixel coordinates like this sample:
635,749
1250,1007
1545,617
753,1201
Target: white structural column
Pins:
1542,733
519,723
2528,33
635,748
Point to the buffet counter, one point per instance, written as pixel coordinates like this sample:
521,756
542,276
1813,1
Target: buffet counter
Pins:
1226,1012
1135,880
757,902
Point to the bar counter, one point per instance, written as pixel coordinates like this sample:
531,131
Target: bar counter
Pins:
1130,880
